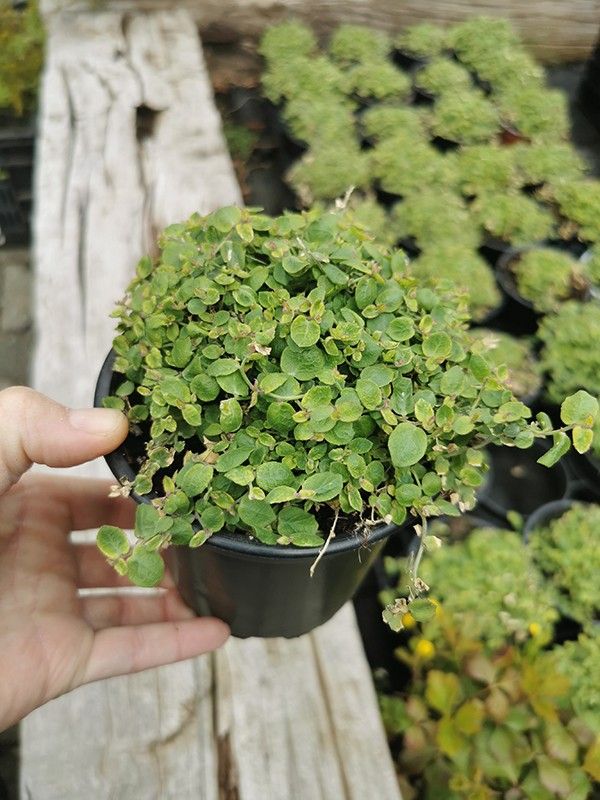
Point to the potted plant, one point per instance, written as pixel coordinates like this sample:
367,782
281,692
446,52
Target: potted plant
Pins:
315,122
512,218
328,170
548,162
376,80
479,724
579,203
569,354
566,550
523,372
441,75
436,217
476,38
542,278
402,165
464,268
357,44
417,43
539,114
578,661
486,168
464,117
383,121
287,384
287,39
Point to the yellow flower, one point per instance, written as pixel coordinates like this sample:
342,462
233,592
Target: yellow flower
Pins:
535,629
408,621
425,650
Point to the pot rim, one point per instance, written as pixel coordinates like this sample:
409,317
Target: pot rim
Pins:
237,542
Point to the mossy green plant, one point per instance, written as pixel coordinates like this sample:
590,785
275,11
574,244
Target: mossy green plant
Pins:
442,75
486,168
287,40
21,56
523,372
376,80
579,202
463,268
548,162
384,121
570,352
372,216
578,661
423,41
403,165
300,77
513,217
436,217
328,170
319,121
357,44
547,277
477,37
538,113
465,117
566,551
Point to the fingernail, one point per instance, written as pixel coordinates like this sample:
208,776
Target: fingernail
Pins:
99,421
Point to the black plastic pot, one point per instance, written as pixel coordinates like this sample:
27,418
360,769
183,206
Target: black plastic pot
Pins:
258,589
518,483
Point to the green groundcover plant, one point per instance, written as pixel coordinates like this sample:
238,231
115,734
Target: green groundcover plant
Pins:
546,277
523,372
283,371
567,550
514,723
570,354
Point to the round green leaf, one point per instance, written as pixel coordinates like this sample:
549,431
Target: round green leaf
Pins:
257,514
272,474
325,485
145,567
580,409
407,444
305,332
438,346
231,415
194,478
304,364
369,393
299,526
112,541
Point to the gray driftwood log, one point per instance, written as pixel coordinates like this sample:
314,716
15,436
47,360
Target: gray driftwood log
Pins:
131,140
555,30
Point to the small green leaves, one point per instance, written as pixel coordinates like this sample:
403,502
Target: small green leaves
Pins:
112,541
299,527
231,415
272,474
582,439
149,522
579,409
407,444
194,478
561,447
368,393
437,345
305,332
322,486
422,609
257,514
145,567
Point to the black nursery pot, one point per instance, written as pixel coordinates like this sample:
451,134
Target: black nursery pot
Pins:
259,590
517,482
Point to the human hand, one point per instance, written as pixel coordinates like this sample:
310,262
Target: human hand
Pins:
51,639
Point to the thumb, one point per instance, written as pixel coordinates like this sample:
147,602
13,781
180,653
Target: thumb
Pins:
35,429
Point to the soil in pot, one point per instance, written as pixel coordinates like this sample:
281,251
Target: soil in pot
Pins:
518,483
259,590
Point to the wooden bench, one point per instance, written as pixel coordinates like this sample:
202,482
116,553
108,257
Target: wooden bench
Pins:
130,141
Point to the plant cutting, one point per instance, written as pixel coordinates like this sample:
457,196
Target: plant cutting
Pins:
281,374
465,117
464,268
566,550
523,372
570,354
543,277
513,217
476,724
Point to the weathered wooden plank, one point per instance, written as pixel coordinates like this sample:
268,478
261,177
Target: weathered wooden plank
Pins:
555,30
260,719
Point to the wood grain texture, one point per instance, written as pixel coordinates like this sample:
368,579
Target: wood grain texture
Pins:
555,30
260,720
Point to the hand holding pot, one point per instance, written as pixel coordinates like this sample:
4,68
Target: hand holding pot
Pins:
51,638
